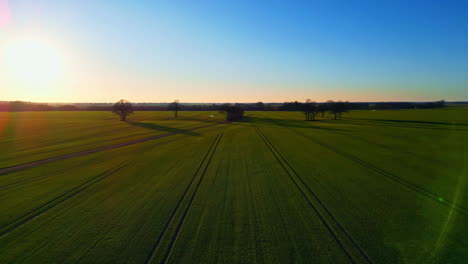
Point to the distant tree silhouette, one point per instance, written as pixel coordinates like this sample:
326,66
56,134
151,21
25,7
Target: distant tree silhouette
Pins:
309,109
291,106
337,108
17,106
331,107
122,108
260,106
174,107
66,108
223,107
342,107
322,108
234,112
297,106
440,103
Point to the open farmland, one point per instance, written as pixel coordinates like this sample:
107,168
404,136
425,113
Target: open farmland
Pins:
31,136
372,187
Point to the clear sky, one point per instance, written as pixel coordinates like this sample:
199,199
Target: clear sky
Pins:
233,51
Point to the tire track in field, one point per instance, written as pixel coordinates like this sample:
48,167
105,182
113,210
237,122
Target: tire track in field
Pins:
44,176
358,251
206,160
388,175
6,170
81,145
192,198
100,159
8,228
92,143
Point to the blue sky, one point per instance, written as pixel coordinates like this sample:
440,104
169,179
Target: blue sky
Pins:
246,51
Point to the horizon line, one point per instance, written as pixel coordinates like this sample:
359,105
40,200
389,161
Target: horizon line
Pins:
38,102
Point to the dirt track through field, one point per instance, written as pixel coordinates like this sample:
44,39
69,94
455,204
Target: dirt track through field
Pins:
353,251
82,153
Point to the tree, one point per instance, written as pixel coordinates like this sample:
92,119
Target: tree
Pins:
297,106
174,107
17,106
331,105
260,106
309,109
337,108
342,107
234,112
322,108
122,108
440,103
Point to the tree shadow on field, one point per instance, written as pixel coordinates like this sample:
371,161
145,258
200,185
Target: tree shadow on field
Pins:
291,123
405,124
195,119
164,128
415,122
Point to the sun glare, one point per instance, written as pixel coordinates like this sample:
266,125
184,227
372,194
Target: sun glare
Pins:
33,61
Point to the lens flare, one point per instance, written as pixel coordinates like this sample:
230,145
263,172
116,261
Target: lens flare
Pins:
33,61
4,13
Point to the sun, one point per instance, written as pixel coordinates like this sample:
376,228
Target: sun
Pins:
33,61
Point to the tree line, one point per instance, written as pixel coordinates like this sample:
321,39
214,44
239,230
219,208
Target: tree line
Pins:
312,109
236,111
17,106
124,108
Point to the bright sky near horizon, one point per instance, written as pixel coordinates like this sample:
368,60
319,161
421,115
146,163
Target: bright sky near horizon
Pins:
233,51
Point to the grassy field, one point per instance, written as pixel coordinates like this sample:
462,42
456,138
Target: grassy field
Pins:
30,136
372,187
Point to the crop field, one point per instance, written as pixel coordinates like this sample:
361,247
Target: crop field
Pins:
371,187
26,137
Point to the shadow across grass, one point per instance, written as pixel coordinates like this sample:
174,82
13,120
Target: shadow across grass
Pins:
189,119
403,124
167,129
415,122
291,123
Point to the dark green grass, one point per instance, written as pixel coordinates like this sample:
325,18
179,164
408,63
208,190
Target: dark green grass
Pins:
113,220
432,157
376,178
392,222
244,200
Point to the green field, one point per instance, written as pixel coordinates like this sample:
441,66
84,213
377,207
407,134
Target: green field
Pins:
32,136
372,187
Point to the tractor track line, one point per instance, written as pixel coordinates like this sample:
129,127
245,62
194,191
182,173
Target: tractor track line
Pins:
179,203
19,183
328,227
187,209
388,175
44,176
353,242
6,170
280,158
8,228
